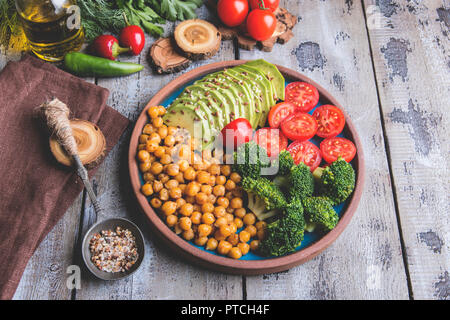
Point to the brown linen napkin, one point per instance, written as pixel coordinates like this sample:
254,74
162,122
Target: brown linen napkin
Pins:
37,191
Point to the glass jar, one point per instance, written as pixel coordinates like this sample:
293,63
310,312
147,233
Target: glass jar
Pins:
52,27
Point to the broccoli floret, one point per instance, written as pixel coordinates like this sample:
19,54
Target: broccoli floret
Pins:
258,207
249,158
285,162
285,234
336,181
319,211
265,189
302,182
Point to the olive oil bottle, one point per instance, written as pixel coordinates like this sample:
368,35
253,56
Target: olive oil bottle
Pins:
52,27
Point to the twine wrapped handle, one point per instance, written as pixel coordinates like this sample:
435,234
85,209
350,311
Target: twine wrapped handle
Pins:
56,116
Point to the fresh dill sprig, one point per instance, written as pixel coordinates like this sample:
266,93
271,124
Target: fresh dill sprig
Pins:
9,21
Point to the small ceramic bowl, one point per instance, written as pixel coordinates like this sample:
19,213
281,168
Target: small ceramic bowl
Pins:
111,224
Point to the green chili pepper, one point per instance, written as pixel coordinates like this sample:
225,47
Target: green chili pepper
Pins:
85,65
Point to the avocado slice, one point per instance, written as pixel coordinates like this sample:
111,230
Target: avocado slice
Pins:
245,92
265,88
273,75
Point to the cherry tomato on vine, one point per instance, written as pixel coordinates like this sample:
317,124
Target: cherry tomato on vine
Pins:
261,24
272,140
237,132
333,148
279,112
306,152
304,95
331,121
272,5
232,12
299,126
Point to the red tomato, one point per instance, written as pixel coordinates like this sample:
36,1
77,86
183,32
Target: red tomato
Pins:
330,119
261,24
272,5
299,126
232,12
237,132
133,37
303,95
306,152
280,112
333,148
272,140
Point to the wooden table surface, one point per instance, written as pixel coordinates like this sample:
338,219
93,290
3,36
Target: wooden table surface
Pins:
388,63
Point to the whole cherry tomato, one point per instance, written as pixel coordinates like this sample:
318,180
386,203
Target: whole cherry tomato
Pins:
133,37
107,46
261,24
272,5
237,132
232,12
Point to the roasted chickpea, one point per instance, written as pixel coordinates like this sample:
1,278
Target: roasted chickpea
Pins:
154,137
145,166
169,140
212,198
229,195
153,112
178,230
224,247
162,110
197,207
164,194
212,181
201,198
238,222
249,219
156,203
252,230
235,177
214,169
225,170
225,230
221,180
206,189
179,177
222,201
204,230
260,225
207,207
159,152
187,234
187,209
237,192
156,168
171,220
244,236
185,223
163,177
208,218
182,186
175,193
169,207
219,236
172,169
211,244
162,131
192,189
183,165
229,217
219,190
203,177
230,185
157,122
244,247
254,245
236,203
196,217
219,211
165,159
148,177
189,174
171,130
142,146
235,253
221,221
172,183
233,239
143,156
180,202
261,234
148,129
201,241
190,199
143,138
147,189
233,227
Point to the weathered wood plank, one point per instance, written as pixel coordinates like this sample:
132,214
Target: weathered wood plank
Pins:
331,47
162,275
411,56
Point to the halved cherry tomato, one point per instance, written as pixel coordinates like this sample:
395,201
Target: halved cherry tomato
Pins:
271,139
272,5
299,126
306,152
237,132
330,119
280,112
333,148
304,95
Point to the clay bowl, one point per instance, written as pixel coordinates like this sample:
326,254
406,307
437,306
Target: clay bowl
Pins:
223,264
